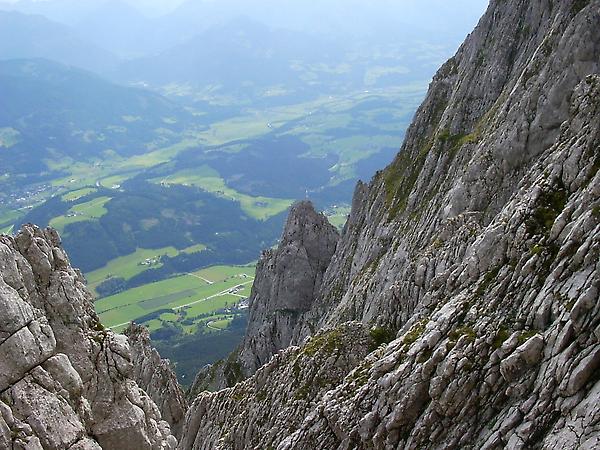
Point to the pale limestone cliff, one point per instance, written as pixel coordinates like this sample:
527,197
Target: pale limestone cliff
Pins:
156,377
65,381
478,248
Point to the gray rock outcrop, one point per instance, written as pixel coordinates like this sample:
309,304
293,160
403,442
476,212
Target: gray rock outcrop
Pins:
65,381
156,377
478,247
287,281
242,416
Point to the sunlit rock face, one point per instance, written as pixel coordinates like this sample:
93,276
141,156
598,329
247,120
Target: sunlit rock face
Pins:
477,249
65,381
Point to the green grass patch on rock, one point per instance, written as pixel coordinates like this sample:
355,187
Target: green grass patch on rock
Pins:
381,335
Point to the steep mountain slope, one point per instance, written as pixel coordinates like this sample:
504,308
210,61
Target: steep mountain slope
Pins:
243,416
493,112
478,248
60,111
65,382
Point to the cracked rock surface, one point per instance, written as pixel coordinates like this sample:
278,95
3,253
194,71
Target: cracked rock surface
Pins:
156,377
287,281
243,417
477,249
65,381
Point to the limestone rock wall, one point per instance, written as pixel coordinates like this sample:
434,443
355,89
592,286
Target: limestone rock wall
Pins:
478,250
156,377
492,113
261,411
65,381
504,349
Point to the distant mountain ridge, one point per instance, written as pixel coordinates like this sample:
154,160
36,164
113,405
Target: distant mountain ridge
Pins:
34,36
237,55
44,100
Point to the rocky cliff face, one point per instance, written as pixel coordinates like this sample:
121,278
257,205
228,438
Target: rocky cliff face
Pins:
493,113
256,413
156,377
478,248
65,382
287,282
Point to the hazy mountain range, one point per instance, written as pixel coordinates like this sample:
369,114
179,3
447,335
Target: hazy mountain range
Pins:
125,30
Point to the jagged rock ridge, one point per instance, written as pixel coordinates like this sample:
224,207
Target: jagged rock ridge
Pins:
65,381
287,281
242,416
480,246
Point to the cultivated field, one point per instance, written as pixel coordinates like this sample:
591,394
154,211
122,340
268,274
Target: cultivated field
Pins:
131,265
184,297
94,209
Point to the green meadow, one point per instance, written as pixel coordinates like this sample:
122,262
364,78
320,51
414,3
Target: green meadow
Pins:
128,266
208,179
220,324
92,210
338,215
184,296
317,123
7,218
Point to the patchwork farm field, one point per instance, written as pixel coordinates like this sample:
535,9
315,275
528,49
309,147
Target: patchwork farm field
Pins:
128,266
94,209
191,298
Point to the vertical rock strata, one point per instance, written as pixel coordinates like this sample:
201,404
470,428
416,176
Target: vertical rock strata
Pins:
156,377
478,247
65,382
287,281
